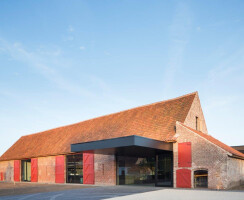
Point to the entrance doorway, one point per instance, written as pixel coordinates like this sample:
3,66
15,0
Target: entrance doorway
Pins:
26,170
164,169
74,168
145,167
201,179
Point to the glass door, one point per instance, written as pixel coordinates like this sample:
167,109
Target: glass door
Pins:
75,168
26,170
164,169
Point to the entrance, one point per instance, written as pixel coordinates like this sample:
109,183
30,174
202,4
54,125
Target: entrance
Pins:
151,169
164,169
26,170
201,179
74,168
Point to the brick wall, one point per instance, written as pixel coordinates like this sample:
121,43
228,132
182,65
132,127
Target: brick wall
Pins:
46,169
235,172
105,169
196,111
205,155
7,167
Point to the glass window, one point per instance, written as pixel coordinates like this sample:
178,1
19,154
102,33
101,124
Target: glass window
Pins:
201,179
135,170
26,170
165,169
74,168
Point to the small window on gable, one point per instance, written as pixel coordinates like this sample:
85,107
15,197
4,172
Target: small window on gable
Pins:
197,124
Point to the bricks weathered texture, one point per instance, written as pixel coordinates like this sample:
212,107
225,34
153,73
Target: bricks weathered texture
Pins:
235,173
224,171
205,155
46,169
196,111
7,167
105,169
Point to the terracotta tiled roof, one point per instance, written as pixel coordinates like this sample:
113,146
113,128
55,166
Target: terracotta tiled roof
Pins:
154,121
216,142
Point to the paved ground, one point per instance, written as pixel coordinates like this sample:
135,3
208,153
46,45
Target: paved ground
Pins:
66,192
31,188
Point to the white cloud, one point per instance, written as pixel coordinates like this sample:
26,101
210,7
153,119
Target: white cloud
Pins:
70,29
82,48
107,53
43,65
179,31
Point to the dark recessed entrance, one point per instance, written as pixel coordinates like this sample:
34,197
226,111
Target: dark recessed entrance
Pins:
139,160
74,168
144,166
26,170
201,179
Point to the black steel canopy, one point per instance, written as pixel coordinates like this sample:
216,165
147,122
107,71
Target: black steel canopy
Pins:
128,141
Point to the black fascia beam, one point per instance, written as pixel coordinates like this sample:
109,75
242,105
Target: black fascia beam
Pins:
133,140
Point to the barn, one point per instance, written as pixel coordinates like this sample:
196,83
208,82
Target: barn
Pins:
163,144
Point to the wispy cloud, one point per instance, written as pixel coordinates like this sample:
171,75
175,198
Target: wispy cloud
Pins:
179,36
82,48
107,53
40,63
70,29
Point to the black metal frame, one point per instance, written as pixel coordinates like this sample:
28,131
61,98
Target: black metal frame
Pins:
132,140
67,165
156,171
24,161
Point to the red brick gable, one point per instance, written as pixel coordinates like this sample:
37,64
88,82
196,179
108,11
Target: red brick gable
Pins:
216,142
156,121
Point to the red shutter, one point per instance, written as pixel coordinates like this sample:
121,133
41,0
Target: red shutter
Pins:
1,176
184,154
88,168
59,169
17,170
34,170
183,178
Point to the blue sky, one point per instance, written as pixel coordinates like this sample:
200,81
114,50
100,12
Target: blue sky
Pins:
62,62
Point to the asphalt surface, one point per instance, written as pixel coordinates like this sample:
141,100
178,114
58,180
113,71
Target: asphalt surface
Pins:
128,193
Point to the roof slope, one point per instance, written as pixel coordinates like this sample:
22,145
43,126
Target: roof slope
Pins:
216,142
154,121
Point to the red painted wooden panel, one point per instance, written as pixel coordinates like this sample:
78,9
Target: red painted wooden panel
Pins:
183,178
34,170
88,168
59,169
1,176
184,154
17,170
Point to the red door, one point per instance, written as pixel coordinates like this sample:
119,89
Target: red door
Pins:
17,170
88,168
59,169
1,176
183,178
34,170
184,154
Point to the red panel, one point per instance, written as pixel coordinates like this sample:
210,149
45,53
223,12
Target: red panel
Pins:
88,168
34,170
184,154
1,176
59,169
17,170
183,178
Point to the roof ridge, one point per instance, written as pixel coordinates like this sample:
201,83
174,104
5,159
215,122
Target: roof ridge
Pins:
208,135
164,101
